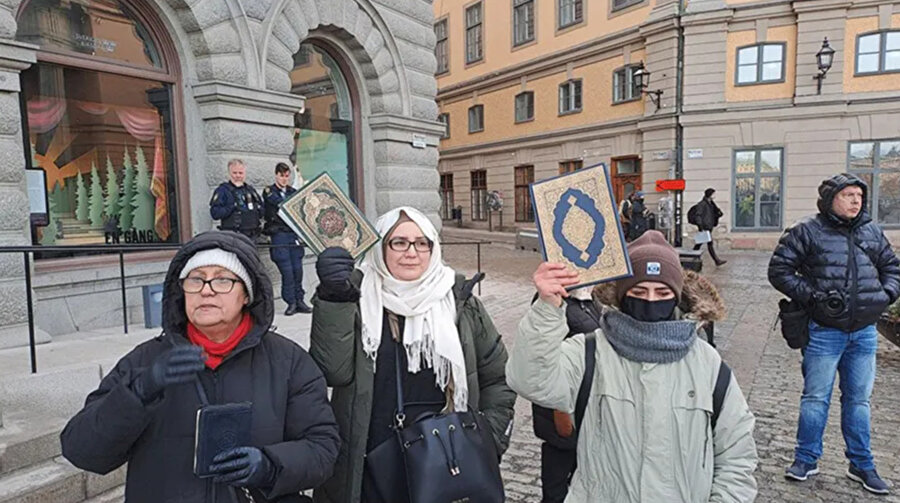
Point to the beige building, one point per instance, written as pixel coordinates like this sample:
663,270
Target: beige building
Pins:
530,89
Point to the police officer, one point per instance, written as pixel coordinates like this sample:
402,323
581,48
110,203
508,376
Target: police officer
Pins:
289,259
237,204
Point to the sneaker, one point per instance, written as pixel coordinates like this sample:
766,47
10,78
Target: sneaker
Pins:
801,471
869,479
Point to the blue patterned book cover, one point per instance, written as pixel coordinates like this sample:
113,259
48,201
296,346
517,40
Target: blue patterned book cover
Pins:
578,225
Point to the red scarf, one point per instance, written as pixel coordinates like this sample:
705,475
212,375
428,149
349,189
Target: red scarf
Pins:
217,351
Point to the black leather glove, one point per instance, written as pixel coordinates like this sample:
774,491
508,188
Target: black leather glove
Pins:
243,467
177,365
334,267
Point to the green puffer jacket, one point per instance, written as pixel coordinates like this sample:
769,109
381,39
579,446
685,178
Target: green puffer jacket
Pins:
336,345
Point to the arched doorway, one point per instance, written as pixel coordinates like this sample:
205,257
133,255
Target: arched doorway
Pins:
99,116
327,133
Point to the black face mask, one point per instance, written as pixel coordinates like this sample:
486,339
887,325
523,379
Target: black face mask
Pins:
645,310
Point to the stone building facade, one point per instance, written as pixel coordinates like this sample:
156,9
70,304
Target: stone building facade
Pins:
744,116
149,99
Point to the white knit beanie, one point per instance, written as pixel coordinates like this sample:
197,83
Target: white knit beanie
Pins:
221,258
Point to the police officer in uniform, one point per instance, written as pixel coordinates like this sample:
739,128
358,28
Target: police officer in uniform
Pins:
289,259
237,204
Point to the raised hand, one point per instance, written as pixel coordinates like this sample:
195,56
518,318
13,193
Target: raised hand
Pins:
177,365
551,281
334,267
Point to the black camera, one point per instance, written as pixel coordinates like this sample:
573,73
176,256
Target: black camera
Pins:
834,303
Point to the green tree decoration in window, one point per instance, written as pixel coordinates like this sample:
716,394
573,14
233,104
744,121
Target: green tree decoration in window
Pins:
126,211
81,200
95,211
144,203
111,203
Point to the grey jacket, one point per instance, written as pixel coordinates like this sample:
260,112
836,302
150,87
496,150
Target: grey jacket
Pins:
646,435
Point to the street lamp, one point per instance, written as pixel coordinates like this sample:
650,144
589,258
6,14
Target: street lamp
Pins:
824,59
641,78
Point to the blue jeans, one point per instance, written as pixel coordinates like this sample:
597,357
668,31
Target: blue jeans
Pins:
852,355
290,265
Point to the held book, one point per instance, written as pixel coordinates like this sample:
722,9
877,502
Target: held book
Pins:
578,225
219,428
324,216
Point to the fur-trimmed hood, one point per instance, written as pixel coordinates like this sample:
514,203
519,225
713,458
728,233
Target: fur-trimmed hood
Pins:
699,299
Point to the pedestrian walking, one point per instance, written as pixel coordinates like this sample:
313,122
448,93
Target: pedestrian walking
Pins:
236,204
840,268
705,215
639,217
216,348
557,427
287,251
664,419
403,303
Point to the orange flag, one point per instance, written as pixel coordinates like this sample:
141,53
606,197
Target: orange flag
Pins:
158,189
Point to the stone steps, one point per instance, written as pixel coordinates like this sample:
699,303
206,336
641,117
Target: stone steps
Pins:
116,495
57,481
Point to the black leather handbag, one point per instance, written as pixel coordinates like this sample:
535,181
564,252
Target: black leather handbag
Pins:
446,457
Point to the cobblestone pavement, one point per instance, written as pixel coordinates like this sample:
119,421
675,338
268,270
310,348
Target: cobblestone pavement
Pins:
766,369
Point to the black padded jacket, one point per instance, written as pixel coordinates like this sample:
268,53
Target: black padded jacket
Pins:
824,253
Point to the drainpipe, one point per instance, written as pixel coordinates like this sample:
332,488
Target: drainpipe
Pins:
679,130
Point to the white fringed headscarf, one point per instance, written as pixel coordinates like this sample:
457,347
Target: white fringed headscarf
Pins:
430,336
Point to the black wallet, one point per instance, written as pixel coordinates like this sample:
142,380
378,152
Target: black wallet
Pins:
219,428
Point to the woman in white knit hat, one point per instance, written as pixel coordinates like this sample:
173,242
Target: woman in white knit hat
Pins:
217,348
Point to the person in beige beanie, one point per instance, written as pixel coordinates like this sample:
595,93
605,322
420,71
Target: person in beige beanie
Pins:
663,418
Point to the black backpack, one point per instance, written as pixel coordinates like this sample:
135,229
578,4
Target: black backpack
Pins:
694,214
584,391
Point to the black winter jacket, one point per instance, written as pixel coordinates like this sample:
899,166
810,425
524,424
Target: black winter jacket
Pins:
292,420
707,214
582,317
824,252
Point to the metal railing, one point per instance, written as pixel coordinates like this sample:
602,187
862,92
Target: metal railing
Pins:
121,250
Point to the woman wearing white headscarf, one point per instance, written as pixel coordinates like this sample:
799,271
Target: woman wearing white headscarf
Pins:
452,356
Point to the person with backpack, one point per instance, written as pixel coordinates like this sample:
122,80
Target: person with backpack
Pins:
404,321
664,418
639,217
839,267
705,215
557,427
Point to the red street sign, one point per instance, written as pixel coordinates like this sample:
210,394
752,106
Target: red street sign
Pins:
664,185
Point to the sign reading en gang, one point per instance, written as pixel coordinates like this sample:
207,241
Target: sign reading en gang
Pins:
130,237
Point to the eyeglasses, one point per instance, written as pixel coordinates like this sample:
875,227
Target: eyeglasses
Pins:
402,245
217,285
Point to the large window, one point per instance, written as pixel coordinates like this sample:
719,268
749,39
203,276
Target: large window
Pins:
571,12
441,47
625,86
523,21
447,196
100,127
878,163
760,64
474,34
878,53
757,192
479,194
621,4
570,97
324,133
570,166
524,177
476,118
525,106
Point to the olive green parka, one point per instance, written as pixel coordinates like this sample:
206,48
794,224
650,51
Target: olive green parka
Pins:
336,345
